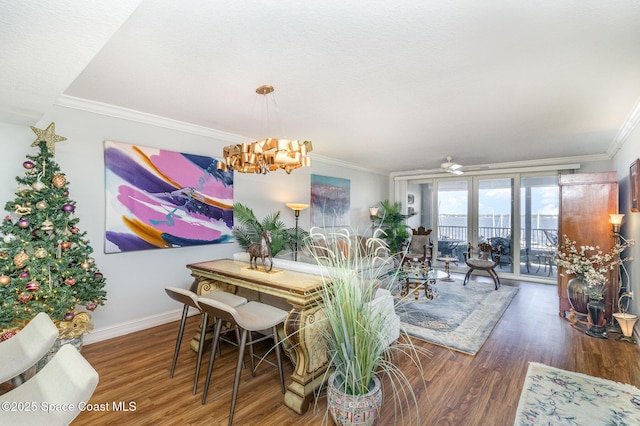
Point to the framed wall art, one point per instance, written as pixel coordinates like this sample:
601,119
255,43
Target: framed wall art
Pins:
634,183
157,198
330,201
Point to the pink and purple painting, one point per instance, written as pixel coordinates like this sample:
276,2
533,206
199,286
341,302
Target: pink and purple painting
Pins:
160,199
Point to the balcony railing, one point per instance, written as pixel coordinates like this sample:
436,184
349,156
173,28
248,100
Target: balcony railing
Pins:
459,233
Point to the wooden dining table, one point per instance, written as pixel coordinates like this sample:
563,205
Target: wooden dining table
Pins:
301,334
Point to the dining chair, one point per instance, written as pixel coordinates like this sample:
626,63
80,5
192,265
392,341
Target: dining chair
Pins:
248,318
189,299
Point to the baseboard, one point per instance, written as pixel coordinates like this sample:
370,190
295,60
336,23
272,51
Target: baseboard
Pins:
98,335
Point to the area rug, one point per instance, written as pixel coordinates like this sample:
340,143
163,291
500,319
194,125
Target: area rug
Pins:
551,396
459,317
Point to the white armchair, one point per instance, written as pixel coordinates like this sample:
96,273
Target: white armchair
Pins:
56,392
26,348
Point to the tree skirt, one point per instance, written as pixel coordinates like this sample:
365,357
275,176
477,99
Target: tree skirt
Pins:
551,396
459,317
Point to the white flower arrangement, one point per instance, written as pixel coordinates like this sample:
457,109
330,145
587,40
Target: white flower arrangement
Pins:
590,264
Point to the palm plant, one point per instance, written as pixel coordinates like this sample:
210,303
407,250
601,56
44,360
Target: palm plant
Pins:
392,223
249,228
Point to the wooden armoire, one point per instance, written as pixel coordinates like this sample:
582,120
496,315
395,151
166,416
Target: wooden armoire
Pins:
586,200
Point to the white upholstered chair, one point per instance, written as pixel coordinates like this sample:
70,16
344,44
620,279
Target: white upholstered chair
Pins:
26,348
55,394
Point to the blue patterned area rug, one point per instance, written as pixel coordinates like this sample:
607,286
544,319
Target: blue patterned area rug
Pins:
459,317
551,396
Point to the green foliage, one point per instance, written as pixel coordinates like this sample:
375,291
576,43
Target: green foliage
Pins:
356,332
392,223
249,229
60,272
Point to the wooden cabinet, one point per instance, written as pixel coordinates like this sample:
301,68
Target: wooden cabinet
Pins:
586,200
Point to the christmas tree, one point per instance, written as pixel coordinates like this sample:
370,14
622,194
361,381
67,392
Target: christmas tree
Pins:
45,260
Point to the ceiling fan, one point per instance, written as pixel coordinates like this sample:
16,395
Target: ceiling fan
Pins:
451,167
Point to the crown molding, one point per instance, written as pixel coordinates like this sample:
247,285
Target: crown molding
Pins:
630,123
340,163
145,118
558,163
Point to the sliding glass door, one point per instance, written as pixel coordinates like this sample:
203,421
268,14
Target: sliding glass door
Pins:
515,213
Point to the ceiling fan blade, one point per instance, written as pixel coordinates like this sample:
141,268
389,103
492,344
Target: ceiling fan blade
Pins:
455,166
456,172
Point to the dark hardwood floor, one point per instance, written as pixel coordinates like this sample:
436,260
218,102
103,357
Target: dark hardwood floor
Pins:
460,389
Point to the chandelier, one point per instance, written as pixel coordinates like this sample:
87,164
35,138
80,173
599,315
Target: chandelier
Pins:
266,155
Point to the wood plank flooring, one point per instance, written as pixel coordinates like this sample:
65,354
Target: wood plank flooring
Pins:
460,389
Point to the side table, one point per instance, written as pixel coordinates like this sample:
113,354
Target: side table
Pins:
447,260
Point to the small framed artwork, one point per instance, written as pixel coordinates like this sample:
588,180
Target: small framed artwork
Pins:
411,211
634,184
410,199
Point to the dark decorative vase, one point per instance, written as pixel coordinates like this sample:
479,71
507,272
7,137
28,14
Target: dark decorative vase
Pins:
578,295
596,315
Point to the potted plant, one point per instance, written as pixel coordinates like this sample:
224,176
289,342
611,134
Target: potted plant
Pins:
249,230
362,329
392,223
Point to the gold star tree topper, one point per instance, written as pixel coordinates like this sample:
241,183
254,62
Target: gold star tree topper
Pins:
48,136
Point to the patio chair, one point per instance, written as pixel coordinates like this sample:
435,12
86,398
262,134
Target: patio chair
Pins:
503,245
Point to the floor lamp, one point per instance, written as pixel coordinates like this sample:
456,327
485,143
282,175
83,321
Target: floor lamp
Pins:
297,208
616,221
373,214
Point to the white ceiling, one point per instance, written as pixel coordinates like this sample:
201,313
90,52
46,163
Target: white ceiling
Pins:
386,85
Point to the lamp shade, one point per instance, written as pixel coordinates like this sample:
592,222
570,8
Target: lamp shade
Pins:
373,211
615,219
626,322
297,207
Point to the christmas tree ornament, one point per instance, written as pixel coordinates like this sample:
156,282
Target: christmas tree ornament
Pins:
38,185
65,245
8,239
32,286
91,260
47,225
91,306
58,180
23,223
28,165
20,259
65,193
97,275
69,316
74,230
41,205
23,274
68,207
40,253
35,233
7,335
48,136
22,210
24,298
70,281
85,265
5,280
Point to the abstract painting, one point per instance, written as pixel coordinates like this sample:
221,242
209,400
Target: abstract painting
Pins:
160,199
330,201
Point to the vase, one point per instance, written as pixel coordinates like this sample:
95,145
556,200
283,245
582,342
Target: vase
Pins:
596,315
578,295
358,410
